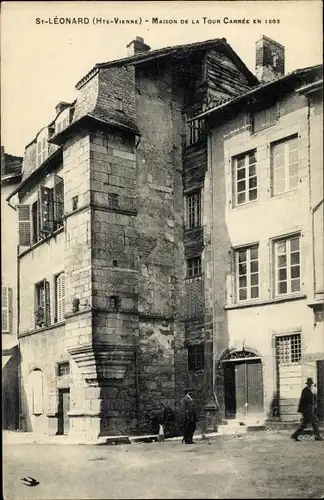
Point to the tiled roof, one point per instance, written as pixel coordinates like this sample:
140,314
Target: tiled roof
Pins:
166,51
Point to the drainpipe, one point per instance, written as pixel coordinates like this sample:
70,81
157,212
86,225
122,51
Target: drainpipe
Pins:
136,366
210,157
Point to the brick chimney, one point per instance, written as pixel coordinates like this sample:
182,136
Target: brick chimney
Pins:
136,46
60,106
270,59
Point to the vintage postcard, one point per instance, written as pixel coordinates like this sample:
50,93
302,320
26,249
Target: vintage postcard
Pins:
162,249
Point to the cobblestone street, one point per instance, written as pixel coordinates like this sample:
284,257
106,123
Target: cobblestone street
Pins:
257,465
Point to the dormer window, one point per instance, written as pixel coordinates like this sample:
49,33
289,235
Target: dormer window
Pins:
118,103
62,121
42,147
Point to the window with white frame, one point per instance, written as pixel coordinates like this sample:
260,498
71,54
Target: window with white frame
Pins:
284,160
247,272
287,265
6,299
245,178
59,297
193,267
193,202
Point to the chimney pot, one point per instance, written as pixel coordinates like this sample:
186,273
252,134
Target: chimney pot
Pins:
137,46
270,59
60,106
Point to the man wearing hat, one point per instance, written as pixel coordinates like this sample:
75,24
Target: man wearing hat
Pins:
188,417
307,409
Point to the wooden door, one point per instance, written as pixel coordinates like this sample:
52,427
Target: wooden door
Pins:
230,397
320,390
63,409
240,389
254,388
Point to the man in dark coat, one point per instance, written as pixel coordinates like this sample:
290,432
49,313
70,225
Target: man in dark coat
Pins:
189,418
307,409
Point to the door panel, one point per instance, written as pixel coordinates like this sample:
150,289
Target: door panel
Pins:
230,399
320,390
63,409
240,389
254,387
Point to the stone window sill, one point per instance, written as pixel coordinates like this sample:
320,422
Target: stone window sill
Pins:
42,329
274,300
35,245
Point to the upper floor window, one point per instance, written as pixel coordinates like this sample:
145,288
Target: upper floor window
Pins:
118,103
196,131
42,147
44,216
247,272
42,304
6,304
194,267
62,120
245,178
59,297
264,118
196,357
193,202
284,160
287,265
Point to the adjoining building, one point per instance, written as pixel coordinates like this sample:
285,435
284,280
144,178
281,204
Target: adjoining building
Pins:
264,236
132,232
10,178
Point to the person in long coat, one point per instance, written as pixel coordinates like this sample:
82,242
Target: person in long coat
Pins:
189,418
307,407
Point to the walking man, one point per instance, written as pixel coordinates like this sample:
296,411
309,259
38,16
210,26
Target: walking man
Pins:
188,417
307,407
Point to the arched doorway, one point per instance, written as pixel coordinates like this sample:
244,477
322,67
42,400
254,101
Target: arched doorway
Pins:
243,385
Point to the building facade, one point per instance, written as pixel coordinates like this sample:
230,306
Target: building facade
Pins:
112,323
10,178
264,241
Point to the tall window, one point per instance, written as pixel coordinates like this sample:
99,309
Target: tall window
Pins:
194,210
42,304
44,216
247,273
193,267
288,349
245,178
196,357
5,309
42,147
196,131
284,159
287,265
60,297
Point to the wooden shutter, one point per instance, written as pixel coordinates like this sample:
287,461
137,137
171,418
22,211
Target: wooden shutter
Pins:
5,309
58,200
46,210
47,304
37,391
60,297
24,225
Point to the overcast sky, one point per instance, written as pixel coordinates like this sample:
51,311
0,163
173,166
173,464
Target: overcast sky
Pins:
42,63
